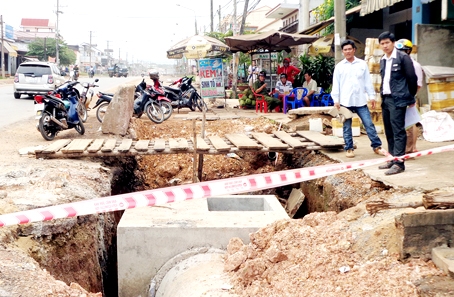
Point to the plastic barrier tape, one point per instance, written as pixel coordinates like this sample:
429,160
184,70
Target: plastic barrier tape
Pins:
228,186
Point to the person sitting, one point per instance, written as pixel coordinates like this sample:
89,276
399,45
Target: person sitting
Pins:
260,87
288,69
311,86
283,86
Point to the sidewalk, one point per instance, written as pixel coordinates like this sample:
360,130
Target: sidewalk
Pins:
7,81
426,173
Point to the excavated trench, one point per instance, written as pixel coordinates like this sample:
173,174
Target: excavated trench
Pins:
95,268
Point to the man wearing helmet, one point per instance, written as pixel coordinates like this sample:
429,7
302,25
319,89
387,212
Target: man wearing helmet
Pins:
154,76
406,46
398,89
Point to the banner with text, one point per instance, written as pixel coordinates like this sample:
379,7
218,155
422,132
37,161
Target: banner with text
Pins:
211,77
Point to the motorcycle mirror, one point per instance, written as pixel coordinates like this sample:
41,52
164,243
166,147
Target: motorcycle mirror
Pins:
96,80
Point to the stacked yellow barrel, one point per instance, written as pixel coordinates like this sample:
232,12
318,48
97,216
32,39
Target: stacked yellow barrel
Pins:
373,54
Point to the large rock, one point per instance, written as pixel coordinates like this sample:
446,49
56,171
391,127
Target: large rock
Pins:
119,112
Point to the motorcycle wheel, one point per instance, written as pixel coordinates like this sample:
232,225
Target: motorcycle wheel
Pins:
80,128
201,105
154,112
101,111
82,112
43,128
167,109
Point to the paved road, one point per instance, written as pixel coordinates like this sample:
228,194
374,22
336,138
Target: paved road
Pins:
13,110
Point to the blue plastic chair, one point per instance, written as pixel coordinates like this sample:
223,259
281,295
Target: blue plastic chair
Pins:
326,100
317,98
297,100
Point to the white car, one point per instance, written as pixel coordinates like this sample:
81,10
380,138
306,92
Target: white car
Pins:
36,78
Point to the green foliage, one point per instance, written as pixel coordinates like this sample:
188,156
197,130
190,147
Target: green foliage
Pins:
44,48
321,67
326,11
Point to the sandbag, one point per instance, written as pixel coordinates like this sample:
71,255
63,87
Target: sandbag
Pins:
438,126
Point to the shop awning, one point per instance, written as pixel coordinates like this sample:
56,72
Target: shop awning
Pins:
315,28
369,6
9,49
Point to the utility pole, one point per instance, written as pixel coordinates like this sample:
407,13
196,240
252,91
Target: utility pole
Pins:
339,28
57,37
45,49
89,50
235,55
219,18
3,54
212,20
108,54
243,20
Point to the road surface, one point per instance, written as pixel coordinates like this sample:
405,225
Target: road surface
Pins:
14,110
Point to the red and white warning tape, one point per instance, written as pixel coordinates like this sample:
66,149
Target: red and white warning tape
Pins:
228,186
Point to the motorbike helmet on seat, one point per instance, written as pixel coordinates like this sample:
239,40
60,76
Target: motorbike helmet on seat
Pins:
404,45
154,74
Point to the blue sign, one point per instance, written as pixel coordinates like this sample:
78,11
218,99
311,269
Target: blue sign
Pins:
9,32
211,77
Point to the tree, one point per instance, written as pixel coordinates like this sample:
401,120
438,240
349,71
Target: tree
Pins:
326,11
43,48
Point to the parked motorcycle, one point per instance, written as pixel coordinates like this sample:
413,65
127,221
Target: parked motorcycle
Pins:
57,111
85,99
102,103
148,99
163,101
185,95
145,99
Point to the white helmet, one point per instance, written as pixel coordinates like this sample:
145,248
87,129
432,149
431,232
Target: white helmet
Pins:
154,74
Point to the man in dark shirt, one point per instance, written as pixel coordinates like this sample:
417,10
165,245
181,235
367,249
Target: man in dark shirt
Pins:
260,87
398,89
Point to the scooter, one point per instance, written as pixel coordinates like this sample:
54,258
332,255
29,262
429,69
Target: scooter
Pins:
57,111
185,95
102,103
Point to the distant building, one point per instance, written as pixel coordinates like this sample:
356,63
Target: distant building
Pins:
31,29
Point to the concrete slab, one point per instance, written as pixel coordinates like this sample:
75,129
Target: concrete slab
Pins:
310,110
148,237
419,232
443,258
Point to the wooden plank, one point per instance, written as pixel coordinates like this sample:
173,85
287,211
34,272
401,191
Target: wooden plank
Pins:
159,145
242,141
125,145
109,145
268,141
55,146
95,145
142,145
178,144
77,146
218,143
201,144
320,139
287,138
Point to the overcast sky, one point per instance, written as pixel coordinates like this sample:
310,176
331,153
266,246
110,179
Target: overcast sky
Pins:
140,29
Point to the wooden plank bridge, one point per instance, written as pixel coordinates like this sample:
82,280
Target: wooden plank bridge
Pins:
279,141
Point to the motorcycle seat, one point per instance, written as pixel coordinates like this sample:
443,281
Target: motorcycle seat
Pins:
176,90
107,94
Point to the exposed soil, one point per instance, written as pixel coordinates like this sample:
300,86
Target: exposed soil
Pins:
301,256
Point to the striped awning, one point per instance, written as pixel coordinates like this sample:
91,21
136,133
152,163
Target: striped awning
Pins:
369,6
9,49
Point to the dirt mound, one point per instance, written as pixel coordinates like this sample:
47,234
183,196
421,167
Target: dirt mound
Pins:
313,257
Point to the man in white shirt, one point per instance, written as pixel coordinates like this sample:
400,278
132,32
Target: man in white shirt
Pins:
406,46
311,86
351,82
